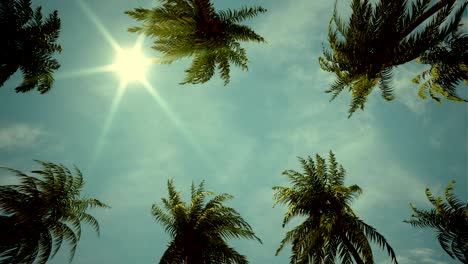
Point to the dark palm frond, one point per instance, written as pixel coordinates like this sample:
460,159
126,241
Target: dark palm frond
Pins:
374,236
29,43
202,68
46,210
240,15
200,230
193,28
331,230
449,219
376,38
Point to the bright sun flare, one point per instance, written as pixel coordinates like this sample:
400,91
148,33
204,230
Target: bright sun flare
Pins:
131,65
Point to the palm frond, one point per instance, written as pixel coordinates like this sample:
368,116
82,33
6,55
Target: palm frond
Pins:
240,15
319,195
377,38
195,29
199,230
41,206
450,220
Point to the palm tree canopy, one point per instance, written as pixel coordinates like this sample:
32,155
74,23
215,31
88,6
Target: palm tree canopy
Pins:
186,28
450,219
41,212
199,230
379,37
28,44
331,230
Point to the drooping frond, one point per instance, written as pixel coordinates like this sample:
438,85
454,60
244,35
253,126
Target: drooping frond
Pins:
449,67
46,209
449,219
363,51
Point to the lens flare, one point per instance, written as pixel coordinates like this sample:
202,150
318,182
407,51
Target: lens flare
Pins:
131,65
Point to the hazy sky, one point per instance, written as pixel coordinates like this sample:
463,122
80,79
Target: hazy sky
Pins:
238,138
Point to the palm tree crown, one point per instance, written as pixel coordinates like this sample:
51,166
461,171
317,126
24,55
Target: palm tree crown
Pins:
449,219
28,43
199,230
38,214
185,28
331,230
379,37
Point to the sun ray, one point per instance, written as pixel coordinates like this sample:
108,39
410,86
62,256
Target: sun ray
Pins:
178,123
107,123
121,90
84,72
99,25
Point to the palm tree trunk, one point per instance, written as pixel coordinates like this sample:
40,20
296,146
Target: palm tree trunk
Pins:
203,11
431,11
352,249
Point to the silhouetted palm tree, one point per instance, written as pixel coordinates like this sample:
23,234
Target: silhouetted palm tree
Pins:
199,230
186,28
449,219
331,230
28,43
38,214
378,38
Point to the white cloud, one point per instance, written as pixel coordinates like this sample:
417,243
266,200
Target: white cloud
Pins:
19,135
405,91
288,30
420,255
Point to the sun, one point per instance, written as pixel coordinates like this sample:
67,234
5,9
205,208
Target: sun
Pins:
131,65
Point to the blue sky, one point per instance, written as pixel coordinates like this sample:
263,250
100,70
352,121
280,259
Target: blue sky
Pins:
238,138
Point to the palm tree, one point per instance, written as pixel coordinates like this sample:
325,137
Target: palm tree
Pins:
379,37
186,28
28,43
449,219
38,214
331,229
199,230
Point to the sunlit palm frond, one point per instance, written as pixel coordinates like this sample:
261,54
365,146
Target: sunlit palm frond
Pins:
193,28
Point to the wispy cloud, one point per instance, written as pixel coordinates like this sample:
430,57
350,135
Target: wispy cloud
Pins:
20,135
420,255
406,92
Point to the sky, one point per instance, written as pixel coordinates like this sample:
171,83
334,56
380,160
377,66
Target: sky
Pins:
239,138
